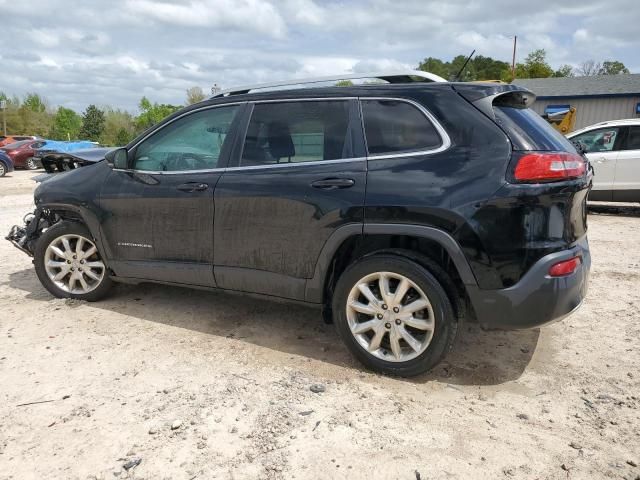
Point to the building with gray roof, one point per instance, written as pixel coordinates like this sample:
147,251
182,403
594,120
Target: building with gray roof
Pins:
596,99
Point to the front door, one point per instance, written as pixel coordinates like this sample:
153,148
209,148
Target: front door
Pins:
299,177
601,147
160,212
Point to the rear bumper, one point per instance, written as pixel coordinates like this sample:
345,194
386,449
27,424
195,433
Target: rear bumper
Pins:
537,299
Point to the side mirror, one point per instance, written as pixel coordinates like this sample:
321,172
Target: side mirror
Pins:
118,158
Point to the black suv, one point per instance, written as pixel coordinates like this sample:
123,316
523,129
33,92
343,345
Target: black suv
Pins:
399,209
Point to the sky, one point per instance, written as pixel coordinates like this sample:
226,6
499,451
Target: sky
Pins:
113,52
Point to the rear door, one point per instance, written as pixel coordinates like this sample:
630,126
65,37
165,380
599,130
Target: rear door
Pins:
601,146
627,177
300,176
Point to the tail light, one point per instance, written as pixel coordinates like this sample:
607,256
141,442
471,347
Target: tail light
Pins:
538,167
566,267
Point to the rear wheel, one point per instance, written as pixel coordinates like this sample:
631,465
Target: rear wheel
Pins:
3,169
31,164
394,315
69,264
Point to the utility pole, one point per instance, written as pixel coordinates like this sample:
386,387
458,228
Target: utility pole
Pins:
3,105
513,61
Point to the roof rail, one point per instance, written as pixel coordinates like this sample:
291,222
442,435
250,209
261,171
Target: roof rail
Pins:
400,76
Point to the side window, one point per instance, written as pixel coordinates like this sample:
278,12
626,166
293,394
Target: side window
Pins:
393,126
193,142
633,139
304,131
601,140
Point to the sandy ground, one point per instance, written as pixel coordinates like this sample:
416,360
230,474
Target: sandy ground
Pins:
198,385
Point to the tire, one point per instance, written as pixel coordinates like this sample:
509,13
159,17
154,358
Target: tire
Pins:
30,164
371,338
64,238
3,169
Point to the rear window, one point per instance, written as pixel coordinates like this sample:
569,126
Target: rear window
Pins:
393,126
529,131
15,145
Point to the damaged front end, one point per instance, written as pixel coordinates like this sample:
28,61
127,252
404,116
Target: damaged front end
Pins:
24,237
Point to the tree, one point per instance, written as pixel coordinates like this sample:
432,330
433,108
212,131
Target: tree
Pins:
34,103
455,68
92,123
613,67
195,95
119,128
478,68
564,71
487,68
150,114
436,66
534,66
344,83
589,68
123,137
66,124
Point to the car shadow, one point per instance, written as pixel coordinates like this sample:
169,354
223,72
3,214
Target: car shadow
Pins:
478,357
625,210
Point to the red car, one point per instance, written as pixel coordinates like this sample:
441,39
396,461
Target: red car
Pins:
22,153
6,140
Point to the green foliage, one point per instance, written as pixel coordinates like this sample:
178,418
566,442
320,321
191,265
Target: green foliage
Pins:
613,67
488,68
92,123
195,95
478,68
344,83
564,71
435,66
535,66
118,128
150,114
65,125
34,102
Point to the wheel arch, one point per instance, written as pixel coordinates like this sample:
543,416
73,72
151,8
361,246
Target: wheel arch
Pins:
421,244
75,213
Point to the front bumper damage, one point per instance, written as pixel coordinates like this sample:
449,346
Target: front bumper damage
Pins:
24,237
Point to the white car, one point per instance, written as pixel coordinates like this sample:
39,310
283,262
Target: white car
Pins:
613,148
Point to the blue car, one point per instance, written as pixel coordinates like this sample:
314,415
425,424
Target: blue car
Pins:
6,164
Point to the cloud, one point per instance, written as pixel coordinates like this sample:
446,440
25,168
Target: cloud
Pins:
250,15
75,52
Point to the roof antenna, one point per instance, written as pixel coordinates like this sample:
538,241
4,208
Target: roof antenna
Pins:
457,77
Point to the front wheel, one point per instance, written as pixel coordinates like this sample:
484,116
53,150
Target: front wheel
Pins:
394,315
69,265
3,169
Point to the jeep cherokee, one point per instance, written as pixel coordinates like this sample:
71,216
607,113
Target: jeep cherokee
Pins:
399,209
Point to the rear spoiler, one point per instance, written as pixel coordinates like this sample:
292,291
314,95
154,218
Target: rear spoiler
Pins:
485,95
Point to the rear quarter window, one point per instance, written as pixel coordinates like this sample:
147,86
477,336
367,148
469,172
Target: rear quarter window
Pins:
394,126
529,131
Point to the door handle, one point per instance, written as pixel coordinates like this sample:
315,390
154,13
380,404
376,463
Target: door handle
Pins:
333,183
192,187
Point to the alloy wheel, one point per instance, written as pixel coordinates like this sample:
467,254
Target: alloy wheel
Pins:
73,264
390,316
31,164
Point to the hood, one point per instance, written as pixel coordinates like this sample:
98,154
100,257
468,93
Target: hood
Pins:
54,162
